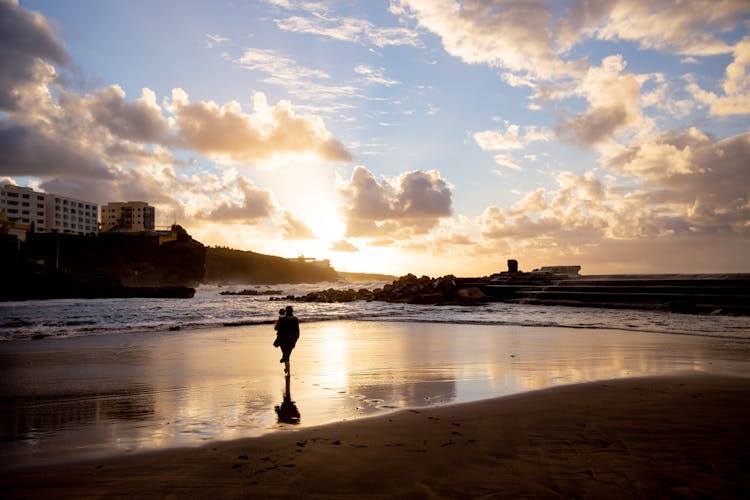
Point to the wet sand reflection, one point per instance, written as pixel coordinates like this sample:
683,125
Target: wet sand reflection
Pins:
112,394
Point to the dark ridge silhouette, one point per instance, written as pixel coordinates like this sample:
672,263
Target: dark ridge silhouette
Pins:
226,265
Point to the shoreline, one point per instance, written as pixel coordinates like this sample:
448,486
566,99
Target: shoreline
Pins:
646,436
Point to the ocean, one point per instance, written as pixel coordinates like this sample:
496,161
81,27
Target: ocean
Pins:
116,376
65,318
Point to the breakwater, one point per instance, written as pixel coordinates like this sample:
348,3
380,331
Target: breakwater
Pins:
727,294
702,294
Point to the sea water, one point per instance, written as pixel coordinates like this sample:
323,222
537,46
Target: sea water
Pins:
114,376
62,318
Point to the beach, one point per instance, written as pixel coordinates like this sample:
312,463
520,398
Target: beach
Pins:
379,409
683,437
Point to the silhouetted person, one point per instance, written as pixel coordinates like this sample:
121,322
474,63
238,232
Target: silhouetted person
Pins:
282,313
287,333
287,411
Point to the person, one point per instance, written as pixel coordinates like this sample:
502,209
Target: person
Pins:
282,313
287,334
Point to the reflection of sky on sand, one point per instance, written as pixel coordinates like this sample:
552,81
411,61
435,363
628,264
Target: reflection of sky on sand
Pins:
62,399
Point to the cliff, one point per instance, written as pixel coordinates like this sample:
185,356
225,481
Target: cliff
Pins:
226,265
54,265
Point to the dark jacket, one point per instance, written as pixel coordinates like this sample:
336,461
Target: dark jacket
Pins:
287,332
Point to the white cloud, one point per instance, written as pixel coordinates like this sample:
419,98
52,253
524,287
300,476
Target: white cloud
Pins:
214,40
374,75
343,246
511,35
411,204
684,27
227,132
295,229
613,96
316,20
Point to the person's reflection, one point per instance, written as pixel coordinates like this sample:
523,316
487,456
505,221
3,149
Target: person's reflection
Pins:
287,411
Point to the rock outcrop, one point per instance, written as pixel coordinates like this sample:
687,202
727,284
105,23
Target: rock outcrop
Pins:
407,289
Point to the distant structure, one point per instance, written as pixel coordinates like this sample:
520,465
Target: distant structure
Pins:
128,217
24,209
558,270
545,271
325,263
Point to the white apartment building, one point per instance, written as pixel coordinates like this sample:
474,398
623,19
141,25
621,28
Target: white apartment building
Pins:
48,212
23,205
68,215
128,217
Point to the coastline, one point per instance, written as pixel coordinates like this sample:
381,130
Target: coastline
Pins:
677,435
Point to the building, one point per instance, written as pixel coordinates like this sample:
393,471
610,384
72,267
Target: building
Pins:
48,213
128,217
23,205
68,215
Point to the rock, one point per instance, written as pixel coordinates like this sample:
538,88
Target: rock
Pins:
472,294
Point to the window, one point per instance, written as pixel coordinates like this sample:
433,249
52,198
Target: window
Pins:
12,195
25,196
25,204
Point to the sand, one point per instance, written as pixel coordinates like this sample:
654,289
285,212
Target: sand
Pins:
680,436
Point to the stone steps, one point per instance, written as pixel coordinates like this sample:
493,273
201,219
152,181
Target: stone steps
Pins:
727,294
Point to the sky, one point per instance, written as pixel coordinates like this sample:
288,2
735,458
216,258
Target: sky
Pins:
427,136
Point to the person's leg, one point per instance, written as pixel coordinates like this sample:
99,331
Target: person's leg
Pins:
286,366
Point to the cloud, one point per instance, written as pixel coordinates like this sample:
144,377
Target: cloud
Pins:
226,131
300,81
512,35
694,177
29,49
274,63
736,85
316,20
140,120
213,40
613,97
679,187
681,27
343,246
39,151
374,75
254,204
511,138
411,204
295,229
507,161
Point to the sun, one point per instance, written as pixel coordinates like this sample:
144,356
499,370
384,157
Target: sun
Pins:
327,227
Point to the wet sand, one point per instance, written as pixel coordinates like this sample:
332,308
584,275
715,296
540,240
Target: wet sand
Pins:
672,436
87,409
